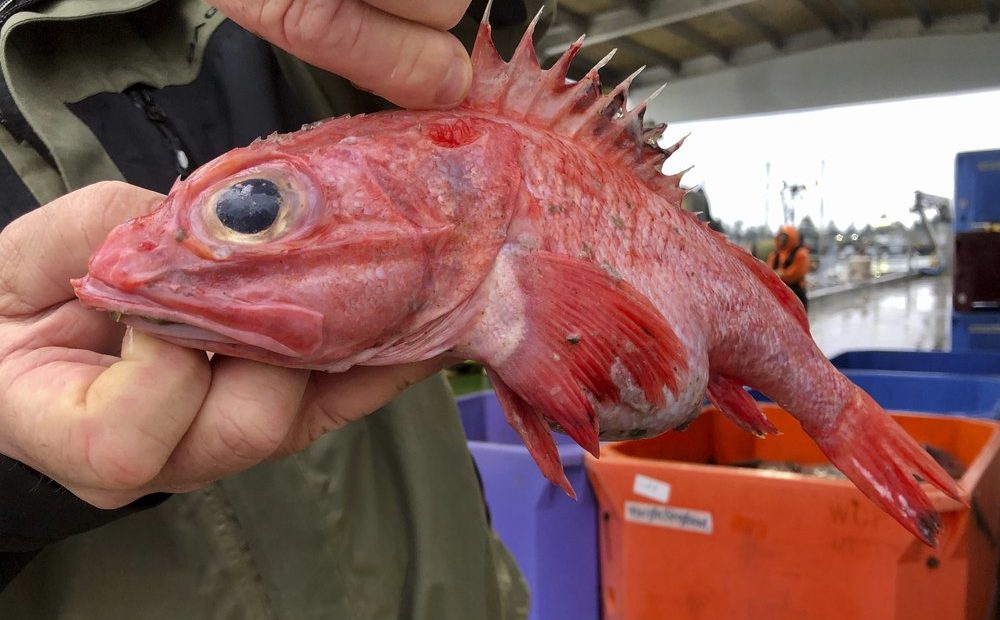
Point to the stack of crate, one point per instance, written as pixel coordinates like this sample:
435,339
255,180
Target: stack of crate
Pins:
976,299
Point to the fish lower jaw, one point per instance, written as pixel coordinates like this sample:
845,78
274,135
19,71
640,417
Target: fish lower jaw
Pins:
121,317
173,330
276,332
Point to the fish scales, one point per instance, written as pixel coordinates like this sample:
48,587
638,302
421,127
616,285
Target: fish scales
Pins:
531,229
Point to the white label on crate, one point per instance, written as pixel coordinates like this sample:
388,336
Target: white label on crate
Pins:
651,488
669,517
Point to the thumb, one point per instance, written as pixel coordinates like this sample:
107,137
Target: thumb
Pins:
137,410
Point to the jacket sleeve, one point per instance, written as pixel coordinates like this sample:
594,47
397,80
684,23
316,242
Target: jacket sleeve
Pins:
798,269
26,495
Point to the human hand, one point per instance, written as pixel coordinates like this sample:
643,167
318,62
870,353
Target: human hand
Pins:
398,49
112,419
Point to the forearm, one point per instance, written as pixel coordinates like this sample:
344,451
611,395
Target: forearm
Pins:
35,512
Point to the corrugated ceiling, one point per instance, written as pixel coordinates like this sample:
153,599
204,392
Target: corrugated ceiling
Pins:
677,38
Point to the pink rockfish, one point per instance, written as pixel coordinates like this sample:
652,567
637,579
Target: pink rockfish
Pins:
532,229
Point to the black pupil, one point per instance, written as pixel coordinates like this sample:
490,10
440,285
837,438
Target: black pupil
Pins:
249,206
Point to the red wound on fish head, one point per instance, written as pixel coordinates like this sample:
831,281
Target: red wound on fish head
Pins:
453,133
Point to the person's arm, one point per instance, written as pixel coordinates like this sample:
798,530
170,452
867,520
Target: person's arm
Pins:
36,511
96,422
92,426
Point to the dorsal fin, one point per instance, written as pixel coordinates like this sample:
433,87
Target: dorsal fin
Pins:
520,89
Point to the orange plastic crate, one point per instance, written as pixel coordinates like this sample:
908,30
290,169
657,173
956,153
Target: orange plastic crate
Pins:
692,538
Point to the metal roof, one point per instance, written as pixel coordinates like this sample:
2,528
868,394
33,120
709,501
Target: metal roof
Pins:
682,38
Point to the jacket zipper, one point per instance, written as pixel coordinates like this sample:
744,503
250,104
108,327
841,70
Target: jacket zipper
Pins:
141,96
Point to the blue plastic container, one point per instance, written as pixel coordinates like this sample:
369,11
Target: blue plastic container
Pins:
975,331
956,363
927,392
552,537
977,189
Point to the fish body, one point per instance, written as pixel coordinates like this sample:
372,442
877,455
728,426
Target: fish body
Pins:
530,229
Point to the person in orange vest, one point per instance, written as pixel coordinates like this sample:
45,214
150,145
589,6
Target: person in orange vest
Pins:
790,259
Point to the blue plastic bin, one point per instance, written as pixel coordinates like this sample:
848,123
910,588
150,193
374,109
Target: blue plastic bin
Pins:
552,537
955,363
977,189
975,331
926,392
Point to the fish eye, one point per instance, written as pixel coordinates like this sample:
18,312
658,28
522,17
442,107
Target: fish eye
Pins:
250,206
256,208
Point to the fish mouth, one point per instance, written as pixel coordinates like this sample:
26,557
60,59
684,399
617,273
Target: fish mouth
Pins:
299,329
173,330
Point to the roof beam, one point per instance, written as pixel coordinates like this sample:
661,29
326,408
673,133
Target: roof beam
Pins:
882,29
696,38
639,5
649,55
813,6
571,19
747,20
923,10
654,57
626,20
854,13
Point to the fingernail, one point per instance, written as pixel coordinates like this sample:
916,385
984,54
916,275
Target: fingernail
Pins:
455,83
128,342
136,344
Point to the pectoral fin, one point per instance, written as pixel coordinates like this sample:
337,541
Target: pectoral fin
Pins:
585,340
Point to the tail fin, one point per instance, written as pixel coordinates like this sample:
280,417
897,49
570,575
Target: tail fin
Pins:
881,459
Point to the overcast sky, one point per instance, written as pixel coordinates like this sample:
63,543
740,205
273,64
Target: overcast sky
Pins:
876,156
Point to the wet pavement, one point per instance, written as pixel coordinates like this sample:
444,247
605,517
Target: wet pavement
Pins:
913,314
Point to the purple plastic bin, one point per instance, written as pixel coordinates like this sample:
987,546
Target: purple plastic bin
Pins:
552,537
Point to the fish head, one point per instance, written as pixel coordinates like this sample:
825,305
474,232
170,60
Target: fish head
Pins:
298,250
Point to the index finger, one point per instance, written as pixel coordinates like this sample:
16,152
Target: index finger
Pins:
41,251
408,63
442,14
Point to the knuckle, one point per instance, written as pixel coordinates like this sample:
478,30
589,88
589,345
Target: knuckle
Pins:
104,500
347,29
122,462
325,418
308,24
276,13
107,187
11,265
449,13
120,466
247,441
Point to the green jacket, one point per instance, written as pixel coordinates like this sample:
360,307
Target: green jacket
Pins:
382,519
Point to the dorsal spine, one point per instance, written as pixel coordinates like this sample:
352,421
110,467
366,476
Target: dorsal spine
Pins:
521,90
